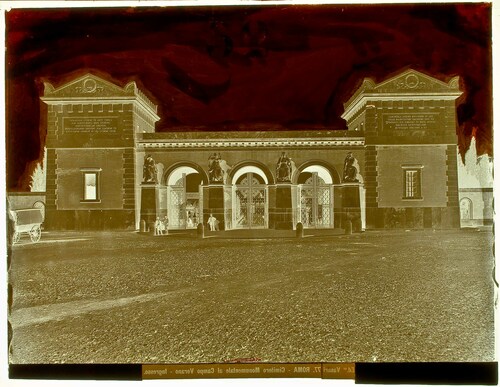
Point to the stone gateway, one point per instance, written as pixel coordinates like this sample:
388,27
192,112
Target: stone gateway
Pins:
394,166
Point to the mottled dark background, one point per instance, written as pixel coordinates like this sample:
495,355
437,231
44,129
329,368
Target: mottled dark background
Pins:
288,67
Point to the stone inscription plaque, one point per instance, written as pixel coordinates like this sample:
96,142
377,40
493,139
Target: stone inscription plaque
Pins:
410,121
94,125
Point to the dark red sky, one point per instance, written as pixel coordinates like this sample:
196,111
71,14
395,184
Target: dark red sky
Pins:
224,68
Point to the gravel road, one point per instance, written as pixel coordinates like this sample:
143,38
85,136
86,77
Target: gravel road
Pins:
123,297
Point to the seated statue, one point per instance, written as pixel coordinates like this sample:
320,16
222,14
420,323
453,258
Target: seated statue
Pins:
215,172
283,168
149,170
350,171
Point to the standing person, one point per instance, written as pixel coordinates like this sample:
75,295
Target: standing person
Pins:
211,222
189,220
157,226
216,224
165,225
161,227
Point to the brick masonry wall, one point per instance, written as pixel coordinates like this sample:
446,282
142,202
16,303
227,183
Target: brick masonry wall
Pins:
70,178
129,179
51,180
390,160
453,209
452,176
371,174
22,200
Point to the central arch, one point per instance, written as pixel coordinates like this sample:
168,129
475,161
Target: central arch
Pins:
261,167
322,172
249,169
250,197
318,165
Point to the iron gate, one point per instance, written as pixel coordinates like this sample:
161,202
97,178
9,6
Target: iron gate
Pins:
250,203
315,199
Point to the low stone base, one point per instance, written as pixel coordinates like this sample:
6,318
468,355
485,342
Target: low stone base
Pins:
412,218
89,220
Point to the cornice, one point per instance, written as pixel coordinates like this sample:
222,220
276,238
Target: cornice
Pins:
136,100
271,143
363,98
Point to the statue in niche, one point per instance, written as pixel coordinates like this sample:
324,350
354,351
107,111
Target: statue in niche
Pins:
149,172
350,169
284,168
215,172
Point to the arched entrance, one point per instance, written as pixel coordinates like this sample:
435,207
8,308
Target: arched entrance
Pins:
466,209
183,198
315,197
250,198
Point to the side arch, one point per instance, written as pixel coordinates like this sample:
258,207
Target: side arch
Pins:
173,167
466,209
252,163
331,169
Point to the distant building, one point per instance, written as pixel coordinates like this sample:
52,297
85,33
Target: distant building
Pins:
395,166
475,188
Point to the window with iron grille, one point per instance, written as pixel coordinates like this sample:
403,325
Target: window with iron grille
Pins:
412,179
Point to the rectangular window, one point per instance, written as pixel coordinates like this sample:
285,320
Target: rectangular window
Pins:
412,177
90,185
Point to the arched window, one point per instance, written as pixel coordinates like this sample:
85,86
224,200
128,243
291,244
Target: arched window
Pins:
466,209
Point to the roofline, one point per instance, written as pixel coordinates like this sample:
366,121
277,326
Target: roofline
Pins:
369,84
136,99
130,88
410,70
78,79
363,98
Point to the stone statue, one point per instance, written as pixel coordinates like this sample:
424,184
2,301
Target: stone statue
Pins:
350,171
284,168
149,172
215,172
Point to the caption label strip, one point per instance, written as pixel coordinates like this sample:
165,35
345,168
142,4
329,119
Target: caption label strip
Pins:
253,370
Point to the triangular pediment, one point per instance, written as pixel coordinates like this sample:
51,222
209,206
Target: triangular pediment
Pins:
412,81
88,86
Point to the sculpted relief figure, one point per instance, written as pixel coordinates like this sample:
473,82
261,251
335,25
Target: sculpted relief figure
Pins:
215,172
149,172
284,168
350,174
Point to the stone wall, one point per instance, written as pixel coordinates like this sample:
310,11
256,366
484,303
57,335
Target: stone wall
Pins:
23,200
